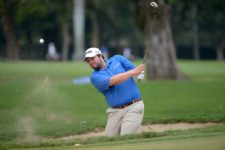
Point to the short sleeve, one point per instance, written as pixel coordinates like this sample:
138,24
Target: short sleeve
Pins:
128,65
100,81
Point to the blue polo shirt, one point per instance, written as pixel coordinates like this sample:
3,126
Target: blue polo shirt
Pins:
119,94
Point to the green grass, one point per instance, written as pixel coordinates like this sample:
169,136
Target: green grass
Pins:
206,143
205,138
39,99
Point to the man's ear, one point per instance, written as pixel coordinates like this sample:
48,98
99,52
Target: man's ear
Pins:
99,55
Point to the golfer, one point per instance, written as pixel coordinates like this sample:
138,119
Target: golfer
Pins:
114,79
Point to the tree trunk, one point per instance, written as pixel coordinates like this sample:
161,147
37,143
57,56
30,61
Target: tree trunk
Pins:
220,50
95,31
161,56
12,46
78,23
195,32
66,40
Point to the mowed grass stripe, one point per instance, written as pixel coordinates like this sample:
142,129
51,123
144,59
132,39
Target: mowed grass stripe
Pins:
213,142
206,143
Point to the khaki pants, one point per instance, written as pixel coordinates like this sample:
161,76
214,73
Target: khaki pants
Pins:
124,121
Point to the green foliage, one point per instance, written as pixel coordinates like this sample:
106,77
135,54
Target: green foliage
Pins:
26,9
34,19
210,20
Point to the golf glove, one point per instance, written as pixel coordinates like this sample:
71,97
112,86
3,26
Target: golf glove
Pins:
141,76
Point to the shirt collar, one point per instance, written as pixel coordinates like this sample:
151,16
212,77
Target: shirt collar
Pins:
108,63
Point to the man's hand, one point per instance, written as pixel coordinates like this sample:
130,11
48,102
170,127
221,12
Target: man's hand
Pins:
138,70
141,76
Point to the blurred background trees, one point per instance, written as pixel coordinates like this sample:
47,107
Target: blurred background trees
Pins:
195,29
198,28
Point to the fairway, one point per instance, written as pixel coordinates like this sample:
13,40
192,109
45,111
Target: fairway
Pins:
38,100
165,143
203,143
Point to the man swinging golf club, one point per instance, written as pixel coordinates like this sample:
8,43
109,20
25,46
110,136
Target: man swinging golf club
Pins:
114,79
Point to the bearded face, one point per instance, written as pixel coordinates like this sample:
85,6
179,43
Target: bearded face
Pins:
96,62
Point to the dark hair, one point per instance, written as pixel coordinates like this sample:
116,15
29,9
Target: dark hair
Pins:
102,56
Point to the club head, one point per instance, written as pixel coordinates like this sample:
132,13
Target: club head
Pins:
154,4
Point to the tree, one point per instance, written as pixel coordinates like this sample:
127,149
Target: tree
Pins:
158,40
92,13
78,24
195,30
185,23
65,10
98,12
199,23
6,11
213,23
22,24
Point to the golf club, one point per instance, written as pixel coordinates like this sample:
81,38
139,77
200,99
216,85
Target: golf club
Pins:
154,5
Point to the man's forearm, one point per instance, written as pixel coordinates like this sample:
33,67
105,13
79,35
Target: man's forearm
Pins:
119,78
